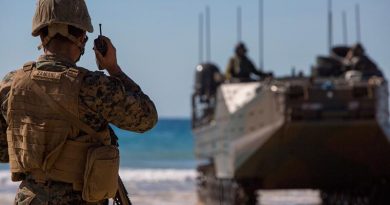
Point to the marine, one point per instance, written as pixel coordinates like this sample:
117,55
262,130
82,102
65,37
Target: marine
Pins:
356,59
55,115
240,67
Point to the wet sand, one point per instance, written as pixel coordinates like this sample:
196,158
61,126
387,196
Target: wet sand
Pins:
290,197
166,193
165,199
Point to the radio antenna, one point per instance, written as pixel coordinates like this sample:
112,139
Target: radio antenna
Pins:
208,35
239,24
330,26
345,27
357,18
200,45
261,34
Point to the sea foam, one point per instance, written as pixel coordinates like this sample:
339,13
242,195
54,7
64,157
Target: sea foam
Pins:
157,175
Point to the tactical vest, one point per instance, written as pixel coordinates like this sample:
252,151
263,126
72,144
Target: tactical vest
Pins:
241,67
41,141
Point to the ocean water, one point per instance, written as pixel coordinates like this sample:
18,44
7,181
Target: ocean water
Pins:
168,145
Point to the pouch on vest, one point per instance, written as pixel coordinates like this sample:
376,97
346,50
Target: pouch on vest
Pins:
101,173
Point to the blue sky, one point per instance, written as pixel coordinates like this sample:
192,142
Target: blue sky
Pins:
157,41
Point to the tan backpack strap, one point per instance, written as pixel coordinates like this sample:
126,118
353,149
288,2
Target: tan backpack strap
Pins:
58,108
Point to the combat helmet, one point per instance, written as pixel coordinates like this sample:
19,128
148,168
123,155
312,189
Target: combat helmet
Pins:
57,15
240,46
358,49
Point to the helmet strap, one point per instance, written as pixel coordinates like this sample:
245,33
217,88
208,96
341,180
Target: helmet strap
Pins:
82,50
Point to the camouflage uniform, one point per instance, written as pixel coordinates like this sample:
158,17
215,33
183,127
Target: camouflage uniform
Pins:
102,100
356,59
240,67
50,193
366,66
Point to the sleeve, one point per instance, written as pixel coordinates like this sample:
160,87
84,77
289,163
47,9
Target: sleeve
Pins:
254,70
120,101
5,86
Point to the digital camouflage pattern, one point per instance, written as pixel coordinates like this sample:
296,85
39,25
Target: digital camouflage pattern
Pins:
102,100
5,86
50,193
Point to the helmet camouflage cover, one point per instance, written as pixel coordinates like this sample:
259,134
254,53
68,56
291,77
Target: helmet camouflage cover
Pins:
69,12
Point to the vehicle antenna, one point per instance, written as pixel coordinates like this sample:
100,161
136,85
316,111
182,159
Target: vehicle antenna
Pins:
330,26
208,35
261,34
239,25
201,33
345,27
358,29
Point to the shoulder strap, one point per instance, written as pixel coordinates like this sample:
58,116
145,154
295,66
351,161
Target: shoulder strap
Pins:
28,66
58,108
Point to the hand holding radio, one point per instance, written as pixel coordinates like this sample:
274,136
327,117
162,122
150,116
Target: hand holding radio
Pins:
105,54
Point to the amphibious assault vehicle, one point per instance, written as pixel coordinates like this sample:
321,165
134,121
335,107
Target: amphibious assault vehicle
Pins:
328,131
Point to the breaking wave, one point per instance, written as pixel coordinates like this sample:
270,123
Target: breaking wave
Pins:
157,175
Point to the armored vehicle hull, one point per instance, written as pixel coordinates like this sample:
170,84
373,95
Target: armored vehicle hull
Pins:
290,133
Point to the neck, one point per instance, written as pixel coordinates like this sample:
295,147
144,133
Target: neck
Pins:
60,54
63,50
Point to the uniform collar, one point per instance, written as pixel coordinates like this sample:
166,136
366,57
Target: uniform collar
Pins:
241,57
54,60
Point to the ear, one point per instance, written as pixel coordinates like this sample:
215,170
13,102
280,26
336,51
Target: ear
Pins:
42,37
82,39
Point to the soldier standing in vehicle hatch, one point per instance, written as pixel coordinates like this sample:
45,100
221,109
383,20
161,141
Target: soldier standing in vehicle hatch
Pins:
36,135
240,67
356,59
